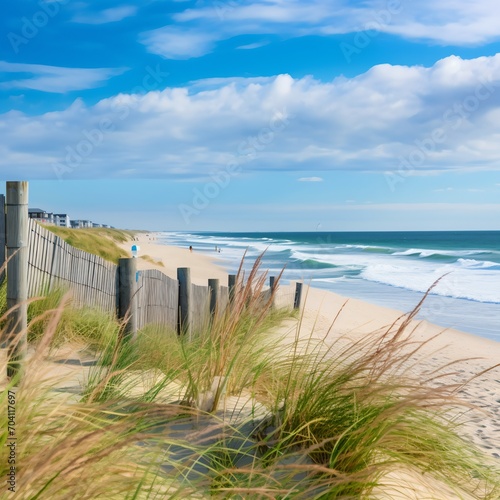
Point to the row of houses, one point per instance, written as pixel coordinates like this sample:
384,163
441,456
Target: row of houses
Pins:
61,220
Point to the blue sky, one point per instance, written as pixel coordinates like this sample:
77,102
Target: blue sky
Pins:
255,115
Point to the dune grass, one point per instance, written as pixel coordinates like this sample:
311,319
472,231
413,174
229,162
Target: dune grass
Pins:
97,241
226,356
353,410
150,259
85,326
160,417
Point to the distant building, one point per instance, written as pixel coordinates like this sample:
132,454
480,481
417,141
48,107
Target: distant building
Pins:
80,224
62,220
41,215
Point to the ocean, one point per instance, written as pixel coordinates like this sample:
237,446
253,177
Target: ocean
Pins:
391,269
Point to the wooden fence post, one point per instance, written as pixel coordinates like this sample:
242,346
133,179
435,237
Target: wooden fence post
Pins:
214,291
298,296
127,301
185,304
2,238
231,283
272,290
17,273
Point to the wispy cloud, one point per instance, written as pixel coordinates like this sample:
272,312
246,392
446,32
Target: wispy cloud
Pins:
105,16
252,46
457,22
176,43
311,179
55,79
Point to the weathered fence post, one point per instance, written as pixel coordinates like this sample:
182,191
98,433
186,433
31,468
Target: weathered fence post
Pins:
298,296
214,290
272,290
231,283
127,301
185,304
2,238
16,238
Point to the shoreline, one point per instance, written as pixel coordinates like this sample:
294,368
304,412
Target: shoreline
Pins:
378,268
467,354
167,258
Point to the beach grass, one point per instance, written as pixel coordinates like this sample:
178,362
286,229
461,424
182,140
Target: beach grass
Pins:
150,259
84,325
228,353
97,241
234,411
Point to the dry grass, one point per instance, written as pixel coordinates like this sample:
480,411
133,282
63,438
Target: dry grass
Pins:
150,259
97,241
64,448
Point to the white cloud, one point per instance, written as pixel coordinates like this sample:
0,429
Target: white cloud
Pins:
252,46
401,121
55,79
175,43
105,16
456,22
311,179
449,22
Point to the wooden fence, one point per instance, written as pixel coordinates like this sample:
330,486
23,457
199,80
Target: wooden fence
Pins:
157,299
53,263
38,261
93,281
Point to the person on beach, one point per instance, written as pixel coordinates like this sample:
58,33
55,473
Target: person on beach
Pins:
191,248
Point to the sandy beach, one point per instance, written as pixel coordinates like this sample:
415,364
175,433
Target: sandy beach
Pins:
468,355
168,258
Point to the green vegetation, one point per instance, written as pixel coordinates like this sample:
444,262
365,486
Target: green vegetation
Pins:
3,298
98,241
150,259
234,412
86,326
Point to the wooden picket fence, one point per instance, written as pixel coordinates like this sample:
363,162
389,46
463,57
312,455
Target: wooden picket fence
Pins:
157,299
54,263
94,282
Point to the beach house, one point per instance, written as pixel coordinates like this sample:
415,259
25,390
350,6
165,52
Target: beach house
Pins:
62,220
